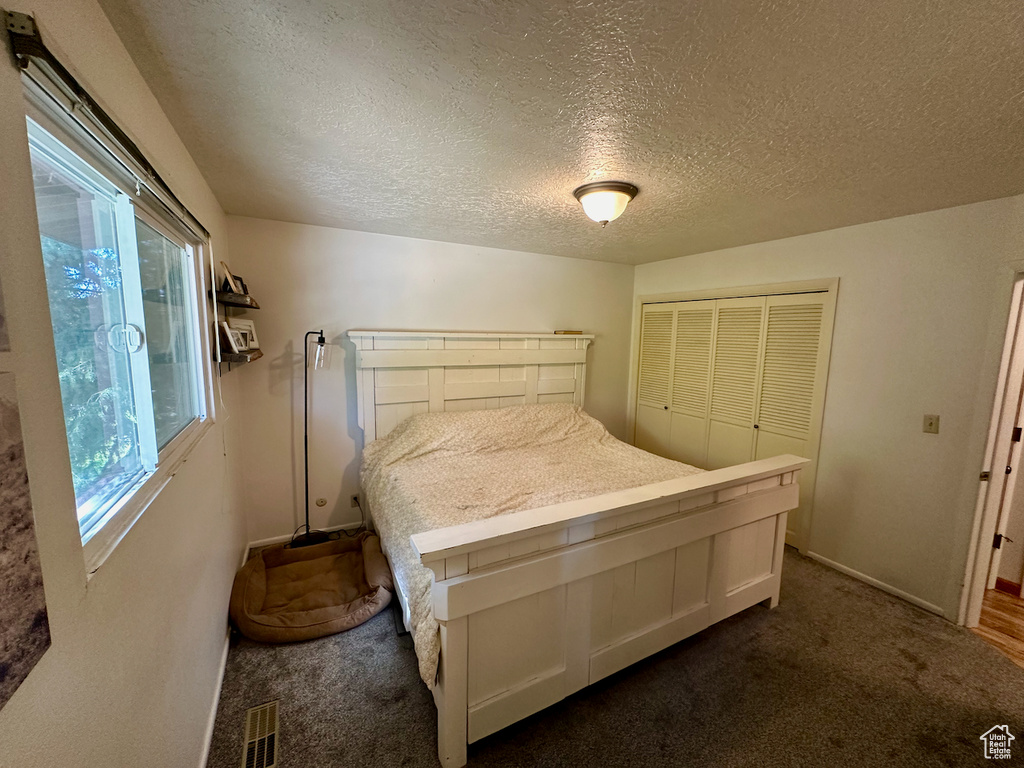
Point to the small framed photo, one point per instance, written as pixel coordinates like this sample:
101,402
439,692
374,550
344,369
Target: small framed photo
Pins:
230,282
241,284
231,339
249,327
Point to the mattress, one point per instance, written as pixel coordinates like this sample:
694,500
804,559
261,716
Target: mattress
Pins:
436,470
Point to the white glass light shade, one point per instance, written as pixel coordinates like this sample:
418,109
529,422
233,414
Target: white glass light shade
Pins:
604,206
604,201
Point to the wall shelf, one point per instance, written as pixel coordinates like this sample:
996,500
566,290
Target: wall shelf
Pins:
241,357
237,300
242,301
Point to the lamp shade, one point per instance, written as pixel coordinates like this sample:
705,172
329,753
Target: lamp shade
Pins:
604,201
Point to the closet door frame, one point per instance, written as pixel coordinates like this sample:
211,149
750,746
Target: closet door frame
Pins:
829,287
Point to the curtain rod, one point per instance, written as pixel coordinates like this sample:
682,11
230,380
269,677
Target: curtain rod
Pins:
28,47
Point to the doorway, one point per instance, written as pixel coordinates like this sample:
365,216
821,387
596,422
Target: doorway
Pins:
992,604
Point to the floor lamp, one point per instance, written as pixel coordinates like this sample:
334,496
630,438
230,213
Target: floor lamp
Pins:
309,537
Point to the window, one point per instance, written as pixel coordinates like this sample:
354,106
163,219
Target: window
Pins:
123,301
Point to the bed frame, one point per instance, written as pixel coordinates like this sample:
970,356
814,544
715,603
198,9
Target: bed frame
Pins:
535,605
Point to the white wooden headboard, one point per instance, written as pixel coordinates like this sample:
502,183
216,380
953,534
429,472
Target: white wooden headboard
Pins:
399,373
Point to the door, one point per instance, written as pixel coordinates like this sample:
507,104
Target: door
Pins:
730,380
1006,560
691,381
1001,466
653,418
791,391
1009,568
735,378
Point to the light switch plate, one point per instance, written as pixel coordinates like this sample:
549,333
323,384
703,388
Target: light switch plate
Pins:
931,423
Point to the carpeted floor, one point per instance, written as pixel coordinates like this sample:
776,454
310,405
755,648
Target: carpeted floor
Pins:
839,674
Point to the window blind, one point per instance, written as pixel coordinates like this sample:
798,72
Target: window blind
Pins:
55,91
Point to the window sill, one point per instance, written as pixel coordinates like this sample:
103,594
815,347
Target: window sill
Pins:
129,509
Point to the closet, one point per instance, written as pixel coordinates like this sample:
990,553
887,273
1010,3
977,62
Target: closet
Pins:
728,380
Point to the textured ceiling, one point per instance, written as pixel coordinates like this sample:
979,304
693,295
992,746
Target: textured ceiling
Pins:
473,120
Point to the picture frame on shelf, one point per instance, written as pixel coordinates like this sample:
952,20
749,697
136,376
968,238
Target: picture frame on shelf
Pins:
230,283
240,282
247,325
231,339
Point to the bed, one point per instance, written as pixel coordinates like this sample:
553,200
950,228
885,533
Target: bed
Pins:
534,553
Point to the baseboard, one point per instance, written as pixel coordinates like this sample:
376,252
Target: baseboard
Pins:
216,702
288,537
1007,586
879,584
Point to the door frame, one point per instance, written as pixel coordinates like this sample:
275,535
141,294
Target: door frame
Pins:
827,285
999,453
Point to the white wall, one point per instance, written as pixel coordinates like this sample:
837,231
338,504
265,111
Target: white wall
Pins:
311,277
131,675
922,306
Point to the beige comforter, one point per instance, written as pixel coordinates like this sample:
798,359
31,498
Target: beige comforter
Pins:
435,470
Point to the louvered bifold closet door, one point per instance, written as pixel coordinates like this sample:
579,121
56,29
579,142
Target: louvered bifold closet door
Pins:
654,384
735,377
691,381
792,385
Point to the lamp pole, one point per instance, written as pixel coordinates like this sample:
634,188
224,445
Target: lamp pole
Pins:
310,536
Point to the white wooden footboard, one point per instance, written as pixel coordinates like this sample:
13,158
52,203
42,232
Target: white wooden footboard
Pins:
538,604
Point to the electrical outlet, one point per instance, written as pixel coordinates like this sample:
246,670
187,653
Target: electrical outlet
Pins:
931,423
355,501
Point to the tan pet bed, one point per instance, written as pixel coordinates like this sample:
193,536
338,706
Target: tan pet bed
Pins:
283,595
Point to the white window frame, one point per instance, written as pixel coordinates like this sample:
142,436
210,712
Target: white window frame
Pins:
160,465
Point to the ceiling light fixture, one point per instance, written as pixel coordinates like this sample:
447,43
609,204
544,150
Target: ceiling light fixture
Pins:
604,201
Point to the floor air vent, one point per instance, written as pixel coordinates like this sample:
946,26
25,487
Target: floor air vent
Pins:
260,749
